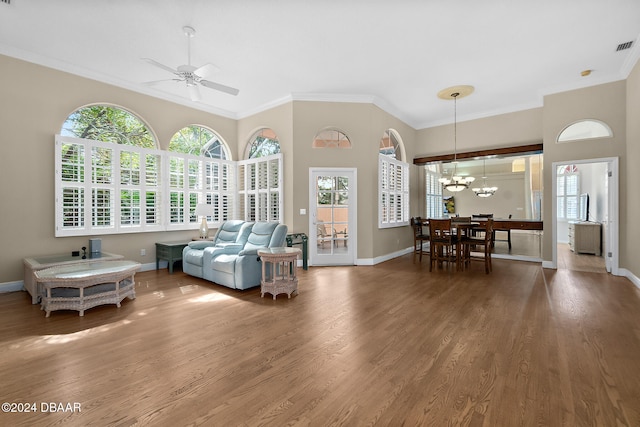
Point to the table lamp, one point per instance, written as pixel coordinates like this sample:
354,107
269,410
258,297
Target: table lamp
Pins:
204,210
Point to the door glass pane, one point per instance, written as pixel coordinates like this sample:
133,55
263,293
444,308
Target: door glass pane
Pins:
332,214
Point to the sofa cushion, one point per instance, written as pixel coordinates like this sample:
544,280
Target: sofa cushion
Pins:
193,257
260,236
225,263
228,232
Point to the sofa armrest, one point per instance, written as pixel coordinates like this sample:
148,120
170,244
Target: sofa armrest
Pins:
230,246
213,252
201,244
252,251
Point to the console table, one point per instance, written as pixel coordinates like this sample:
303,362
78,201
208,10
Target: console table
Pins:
279,271
31,265
171,251
86,285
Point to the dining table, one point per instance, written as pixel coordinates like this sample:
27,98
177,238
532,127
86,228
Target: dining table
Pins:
460,230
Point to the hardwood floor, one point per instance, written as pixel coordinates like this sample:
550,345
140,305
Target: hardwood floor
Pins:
386,345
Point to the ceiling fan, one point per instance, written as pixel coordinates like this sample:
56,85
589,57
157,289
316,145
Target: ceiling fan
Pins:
191,75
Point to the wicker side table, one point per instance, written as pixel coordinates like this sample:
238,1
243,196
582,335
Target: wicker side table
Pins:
279,271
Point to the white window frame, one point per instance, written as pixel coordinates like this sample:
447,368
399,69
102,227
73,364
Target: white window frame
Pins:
211,181
433,193
393,192
260,186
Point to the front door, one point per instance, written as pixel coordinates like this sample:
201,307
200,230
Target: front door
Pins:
332,216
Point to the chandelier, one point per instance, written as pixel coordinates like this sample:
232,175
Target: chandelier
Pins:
456,182
485,191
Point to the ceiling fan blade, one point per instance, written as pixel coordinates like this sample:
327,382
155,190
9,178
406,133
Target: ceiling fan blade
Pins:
155,82
218,86
194,93
207,70
159,65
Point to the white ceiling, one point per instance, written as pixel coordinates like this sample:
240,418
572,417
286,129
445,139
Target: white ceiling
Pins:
396,54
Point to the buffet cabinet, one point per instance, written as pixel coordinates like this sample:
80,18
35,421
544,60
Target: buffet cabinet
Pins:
585,237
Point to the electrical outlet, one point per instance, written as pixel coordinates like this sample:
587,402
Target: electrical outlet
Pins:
143,252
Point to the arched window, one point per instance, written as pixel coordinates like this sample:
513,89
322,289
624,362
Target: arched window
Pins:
262,143
260,178
331,138
391,145
393,182
585,129
199,141
108,123
106,188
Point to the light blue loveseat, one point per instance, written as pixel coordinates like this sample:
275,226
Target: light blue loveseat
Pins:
231,259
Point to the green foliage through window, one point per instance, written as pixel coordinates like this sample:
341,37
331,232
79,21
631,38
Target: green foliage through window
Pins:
263,143
198,141
108,124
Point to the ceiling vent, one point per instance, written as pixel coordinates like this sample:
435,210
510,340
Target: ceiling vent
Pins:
623,46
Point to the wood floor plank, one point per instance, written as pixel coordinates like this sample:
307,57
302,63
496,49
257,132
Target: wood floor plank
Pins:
391,344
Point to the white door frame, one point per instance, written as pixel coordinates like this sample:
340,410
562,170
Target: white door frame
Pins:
611,248
350,257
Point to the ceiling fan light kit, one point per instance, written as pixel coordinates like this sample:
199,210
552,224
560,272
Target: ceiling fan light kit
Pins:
191,75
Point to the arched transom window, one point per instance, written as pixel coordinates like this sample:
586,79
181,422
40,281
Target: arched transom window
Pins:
331,138
391,145
262,143
199,141
585,129
108,123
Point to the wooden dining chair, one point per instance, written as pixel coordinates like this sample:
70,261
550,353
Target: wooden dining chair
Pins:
419,237
470,245
442,242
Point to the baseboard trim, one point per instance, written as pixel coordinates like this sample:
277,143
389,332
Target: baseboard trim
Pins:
383,258
629,275
12,287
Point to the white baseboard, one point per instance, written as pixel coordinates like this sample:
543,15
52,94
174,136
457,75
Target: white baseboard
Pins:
383,258
629,275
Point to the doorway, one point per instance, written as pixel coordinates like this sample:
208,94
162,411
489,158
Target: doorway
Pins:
599,185
332,216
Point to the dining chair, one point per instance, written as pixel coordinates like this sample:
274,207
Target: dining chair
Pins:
419,237
508,239
480,229
442,242
470,245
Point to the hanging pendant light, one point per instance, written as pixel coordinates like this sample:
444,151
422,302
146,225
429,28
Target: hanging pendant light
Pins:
456,182
485,191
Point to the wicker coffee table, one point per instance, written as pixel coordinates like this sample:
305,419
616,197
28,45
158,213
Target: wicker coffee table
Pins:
279,271
82,286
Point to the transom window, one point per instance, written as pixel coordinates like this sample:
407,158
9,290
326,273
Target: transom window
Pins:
199,141
585,129
108,123
262,143
331,138
390,144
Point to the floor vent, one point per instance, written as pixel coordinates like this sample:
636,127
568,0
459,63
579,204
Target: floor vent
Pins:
623,46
